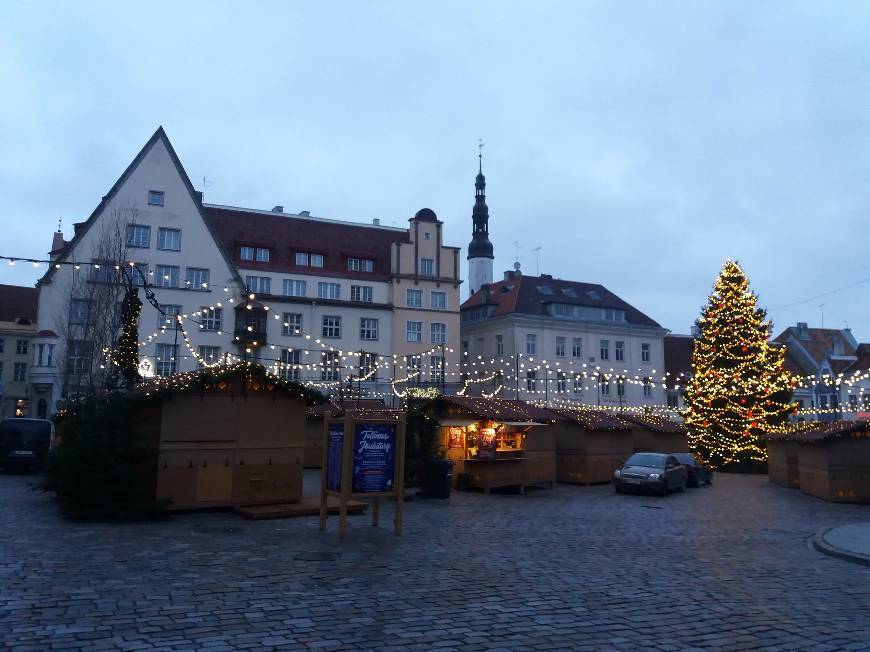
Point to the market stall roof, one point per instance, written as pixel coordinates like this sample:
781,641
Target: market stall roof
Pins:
493,409
593,419
812,431
333,407
654,423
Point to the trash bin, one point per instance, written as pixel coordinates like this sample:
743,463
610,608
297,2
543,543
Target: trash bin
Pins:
437,479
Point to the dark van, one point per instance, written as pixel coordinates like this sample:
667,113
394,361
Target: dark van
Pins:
24,443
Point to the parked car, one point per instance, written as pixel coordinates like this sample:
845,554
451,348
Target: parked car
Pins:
24,443
698,474
656,472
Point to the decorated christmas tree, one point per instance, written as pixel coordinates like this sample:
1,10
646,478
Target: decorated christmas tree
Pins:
739,390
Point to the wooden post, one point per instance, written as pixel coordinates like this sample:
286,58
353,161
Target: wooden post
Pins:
324,469
400,473
376,511
346,473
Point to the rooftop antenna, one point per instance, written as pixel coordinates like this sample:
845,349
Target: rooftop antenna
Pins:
822,310
537,251
516,251
59,220
480,147
205,184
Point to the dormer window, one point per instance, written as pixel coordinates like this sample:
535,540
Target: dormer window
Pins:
155,198
246,253
305,259
360,265
262,255
545,289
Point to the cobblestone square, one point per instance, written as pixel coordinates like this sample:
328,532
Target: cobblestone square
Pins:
725,567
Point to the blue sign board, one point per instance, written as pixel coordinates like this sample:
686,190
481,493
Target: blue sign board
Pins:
335,444
374,457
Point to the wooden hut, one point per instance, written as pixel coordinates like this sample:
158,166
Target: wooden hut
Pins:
834,460
314,424
496,442
782,462
590,445
228,438
655,434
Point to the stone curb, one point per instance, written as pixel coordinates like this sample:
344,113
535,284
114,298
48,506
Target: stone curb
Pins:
821,545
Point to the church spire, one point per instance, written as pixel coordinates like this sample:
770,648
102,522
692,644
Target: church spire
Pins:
480,250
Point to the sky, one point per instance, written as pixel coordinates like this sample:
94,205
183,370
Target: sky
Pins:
638,144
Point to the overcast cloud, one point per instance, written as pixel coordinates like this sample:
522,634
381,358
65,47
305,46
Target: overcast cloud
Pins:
638,144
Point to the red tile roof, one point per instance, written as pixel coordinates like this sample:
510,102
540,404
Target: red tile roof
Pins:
286,234
817,342
678,359
863,361
17,302
530,295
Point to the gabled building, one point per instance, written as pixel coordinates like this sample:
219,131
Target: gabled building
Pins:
678,367
17,353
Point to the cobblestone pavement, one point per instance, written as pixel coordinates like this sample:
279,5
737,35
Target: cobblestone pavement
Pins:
725,567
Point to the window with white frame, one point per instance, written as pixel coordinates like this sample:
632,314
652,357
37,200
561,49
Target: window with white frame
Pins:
169,317
21,347
604,384
619,351
317,260
436,368
413,364
331,326
360,265
197,278
259,284
156,197
79,356
499,345
166,359
262,255
620,386
103,272
362,293
367,365
604,350
413,331
414,298
329,290
578,384
301,259
289,368
647,388
561,345
208,355
531,344
138,235
139,273
644,352
169,239
211,319
292,324
295,288
79,312
561,382
44,355
368,328
427,267
577,347
19,372
438,332
438,300
166,276
531,381
247,253
330,369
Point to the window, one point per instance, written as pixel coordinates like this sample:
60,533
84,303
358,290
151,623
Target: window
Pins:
2,345
853,402
620,387
647,388
301,259
427,267
499,345
604,352
578,384
197,279
577,347
292,324
560,347
329,366
155,197
545,289
78,356
247,253
168,318
103,272
561,382
413,363
619,351
138,235
438,333
166,276
673,401
44,355
438,300
368,328
252,323
644,352
414,331
21,347
360,265
362,293
294,288
367,366
436,368
331,326
259,284
169,239
427,235
79,311
139,273
604,384
414,298
19,372
329,290
531,380
262,255
211,319
317,260
209,355
290,365
166,355
531,344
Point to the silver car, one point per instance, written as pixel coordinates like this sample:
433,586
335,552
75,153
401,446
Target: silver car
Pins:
655,472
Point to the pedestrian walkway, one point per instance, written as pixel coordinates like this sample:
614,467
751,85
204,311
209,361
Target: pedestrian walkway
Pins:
850,542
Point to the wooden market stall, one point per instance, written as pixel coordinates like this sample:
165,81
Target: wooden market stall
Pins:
655,434
229,438
782,461
496,442
314,418
590,445
834,460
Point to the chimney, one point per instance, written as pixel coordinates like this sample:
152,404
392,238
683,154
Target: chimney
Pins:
696,332
277,209
547,276
512,273
484,290
77,227
803,331
57,245
198,196
305,213
376,221
847,333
